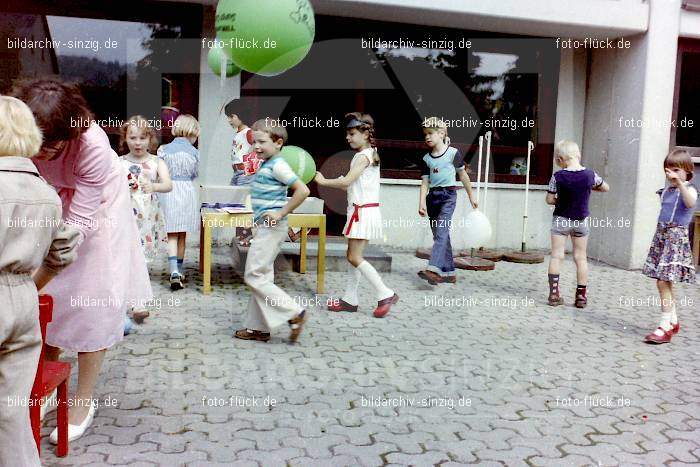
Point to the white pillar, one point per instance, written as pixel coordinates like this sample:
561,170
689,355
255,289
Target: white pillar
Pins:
216,139
634,83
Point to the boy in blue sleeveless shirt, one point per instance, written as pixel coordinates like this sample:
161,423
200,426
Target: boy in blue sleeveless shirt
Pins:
438,197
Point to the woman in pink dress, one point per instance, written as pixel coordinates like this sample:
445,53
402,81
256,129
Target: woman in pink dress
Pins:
110,275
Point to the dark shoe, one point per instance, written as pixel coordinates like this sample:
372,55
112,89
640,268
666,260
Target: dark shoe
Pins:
139,316
664,339
580,301
555,300
431,277
383,306
252,335
340,306
176,281
296,325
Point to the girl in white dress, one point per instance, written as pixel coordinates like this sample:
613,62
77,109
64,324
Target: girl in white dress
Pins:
364,219
146,175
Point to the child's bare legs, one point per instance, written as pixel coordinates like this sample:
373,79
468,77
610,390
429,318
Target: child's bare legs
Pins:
580,245
665,289
181,245
557,256
89,366
172,244
356,248
581,259
668,307
558,245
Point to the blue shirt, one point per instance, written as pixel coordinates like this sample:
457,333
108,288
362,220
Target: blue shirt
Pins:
673,209
573,190
442,170
268,192
181,158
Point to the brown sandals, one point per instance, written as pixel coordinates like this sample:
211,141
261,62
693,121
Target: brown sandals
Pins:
296,325
252,335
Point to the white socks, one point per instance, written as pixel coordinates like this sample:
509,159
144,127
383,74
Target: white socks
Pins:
373,277
674,316
351,290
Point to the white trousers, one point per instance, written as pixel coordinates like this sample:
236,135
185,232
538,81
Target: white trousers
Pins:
269,306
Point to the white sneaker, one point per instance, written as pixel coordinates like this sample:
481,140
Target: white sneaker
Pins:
49,404
75,431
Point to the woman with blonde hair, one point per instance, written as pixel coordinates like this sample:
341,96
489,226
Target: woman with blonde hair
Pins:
34,240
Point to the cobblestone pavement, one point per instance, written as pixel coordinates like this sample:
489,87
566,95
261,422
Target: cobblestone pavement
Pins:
494,377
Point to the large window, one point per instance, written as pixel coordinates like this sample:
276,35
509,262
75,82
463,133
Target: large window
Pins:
402,73
686,131
118,56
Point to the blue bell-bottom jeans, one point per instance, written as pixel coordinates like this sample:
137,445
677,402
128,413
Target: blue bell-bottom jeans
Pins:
441,204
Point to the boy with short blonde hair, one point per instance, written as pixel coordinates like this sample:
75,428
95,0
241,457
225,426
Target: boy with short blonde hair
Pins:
569,191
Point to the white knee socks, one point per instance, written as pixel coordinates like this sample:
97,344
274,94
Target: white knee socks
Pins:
350,295
373,277
665,323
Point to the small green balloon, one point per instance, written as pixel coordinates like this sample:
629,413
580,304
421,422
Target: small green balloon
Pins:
300,162
216,57
266,37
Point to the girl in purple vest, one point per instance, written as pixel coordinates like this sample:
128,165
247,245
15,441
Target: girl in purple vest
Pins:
670,259
569,191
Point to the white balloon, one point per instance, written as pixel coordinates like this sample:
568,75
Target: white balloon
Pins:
477,229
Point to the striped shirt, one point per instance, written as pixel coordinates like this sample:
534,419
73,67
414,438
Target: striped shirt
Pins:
269,188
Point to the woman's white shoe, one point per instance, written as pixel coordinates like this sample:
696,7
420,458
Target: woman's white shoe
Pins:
50,404
75,431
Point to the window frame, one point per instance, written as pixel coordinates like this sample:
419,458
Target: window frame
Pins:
684,45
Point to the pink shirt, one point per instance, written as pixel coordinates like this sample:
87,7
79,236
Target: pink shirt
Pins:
80,174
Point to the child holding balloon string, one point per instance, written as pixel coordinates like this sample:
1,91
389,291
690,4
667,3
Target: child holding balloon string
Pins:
438,198
364,219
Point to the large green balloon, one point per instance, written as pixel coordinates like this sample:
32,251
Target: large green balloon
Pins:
215,58
266,37
300,162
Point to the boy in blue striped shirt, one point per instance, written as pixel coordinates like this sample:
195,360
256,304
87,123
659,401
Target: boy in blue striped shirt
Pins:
270,306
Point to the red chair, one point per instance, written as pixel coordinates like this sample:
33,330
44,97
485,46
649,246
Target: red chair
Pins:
49,376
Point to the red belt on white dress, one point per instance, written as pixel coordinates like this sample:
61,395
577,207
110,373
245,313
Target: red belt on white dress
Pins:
356,214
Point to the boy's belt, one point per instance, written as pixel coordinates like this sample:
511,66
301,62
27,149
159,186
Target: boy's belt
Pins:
356,214
450,188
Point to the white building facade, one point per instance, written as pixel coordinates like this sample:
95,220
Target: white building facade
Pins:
601,97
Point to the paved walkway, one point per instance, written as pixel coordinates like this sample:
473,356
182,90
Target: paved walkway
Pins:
481,372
